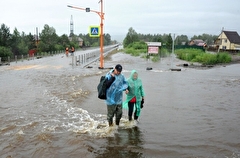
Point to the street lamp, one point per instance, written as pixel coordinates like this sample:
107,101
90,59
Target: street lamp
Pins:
101,14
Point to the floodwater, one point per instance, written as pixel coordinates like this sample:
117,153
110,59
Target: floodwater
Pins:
50,109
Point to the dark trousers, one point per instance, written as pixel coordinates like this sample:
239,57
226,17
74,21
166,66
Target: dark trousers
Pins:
114,110
130,111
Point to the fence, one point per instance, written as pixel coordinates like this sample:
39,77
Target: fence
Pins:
21,58
188,46
82,59
87,58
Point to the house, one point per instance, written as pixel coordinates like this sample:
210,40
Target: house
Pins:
197,42
229,41
77,39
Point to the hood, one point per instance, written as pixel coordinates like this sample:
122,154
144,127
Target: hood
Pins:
132,72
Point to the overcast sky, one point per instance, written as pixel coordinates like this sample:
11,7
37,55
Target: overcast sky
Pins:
187,17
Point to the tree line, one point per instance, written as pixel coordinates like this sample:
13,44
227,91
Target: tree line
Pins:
165,39
19,43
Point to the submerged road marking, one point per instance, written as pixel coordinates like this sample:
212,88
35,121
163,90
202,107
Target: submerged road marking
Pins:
26,67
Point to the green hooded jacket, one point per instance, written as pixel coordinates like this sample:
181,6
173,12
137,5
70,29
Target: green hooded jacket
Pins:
135,88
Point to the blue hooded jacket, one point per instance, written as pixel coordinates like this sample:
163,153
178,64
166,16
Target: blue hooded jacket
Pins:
114,92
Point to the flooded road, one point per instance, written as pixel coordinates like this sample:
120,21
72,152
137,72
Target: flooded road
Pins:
50,109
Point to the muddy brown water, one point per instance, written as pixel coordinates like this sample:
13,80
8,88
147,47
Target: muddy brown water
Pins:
50,109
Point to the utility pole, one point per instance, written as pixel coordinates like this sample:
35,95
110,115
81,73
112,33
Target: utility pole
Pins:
37,40
71,28
101,14
220,40
173,39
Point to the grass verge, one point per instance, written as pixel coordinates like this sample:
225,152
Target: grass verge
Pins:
196,55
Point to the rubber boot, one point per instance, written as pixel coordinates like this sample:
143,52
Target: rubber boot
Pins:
117,122
110,123
130,118
135,117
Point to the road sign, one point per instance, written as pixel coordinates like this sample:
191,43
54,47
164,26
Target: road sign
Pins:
152,50
87,9
94,31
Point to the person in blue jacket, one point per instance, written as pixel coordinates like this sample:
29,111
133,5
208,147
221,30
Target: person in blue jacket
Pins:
116,84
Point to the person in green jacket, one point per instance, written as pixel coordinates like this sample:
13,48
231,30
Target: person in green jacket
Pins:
135,96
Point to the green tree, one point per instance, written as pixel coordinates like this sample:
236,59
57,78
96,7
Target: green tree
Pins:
43,47
95,41
181,40
107,39
131,37
4,35
48,39
169,42
64,41
18,43
22,47
209,39
29,40
14,42
157,38
4,53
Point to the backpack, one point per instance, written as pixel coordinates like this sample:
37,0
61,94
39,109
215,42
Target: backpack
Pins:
102,88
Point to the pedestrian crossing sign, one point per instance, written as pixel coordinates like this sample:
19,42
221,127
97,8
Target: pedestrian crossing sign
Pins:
94,31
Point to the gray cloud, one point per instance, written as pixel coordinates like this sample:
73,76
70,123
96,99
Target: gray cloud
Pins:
152,16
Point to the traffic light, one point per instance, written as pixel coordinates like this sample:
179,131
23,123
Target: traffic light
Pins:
87,9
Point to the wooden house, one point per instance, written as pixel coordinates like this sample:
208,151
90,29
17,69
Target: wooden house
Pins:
228,41
197,42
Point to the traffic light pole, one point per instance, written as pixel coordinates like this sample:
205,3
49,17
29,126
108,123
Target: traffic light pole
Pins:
101,14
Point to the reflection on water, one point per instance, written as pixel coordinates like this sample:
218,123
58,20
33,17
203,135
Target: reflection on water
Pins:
126,143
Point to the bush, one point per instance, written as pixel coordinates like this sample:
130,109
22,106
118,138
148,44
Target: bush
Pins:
136,48
138,45
188,54
5,53
197,55
58,47
155,58
134,52
224,58
164,52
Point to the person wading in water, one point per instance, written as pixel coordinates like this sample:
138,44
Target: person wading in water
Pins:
135,96
116,84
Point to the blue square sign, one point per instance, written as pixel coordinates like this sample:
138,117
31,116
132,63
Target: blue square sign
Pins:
94,31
